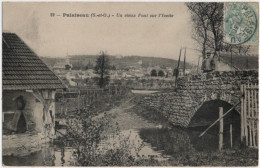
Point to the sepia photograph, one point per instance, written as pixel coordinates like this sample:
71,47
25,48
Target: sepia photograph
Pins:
130,84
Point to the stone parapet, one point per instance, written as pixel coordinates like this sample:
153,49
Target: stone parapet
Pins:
192,91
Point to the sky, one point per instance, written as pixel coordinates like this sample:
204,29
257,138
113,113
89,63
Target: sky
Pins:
58,36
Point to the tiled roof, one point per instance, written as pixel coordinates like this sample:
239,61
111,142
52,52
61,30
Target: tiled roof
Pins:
23,69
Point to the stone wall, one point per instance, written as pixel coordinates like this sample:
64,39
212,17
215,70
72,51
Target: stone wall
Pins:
192,91
22,144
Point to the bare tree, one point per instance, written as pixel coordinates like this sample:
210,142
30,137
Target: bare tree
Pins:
207,21
215,15
200,24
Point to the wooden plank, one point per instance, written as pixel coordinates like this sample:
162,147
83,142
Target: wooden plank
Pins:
257,114
220,144
253,92
230,131
245,115
253,133
253,87
250,134
242,113
253,118
257,129
253,102
250,115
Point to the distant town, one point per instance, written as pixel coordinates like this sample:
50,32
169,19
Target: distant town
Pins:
78,71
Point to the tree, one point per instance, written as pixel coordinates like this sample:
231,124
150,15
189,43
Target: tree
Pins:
90,65
207,21
67,67
153,72
161,73
113,67
200,24
102,70
175,72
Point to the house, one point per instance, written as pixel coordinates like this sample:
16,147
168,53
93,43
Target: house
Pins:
60,66
29,86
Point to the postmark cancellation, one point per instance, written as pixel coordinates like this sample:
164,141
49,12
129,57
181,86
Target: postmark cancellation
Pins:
240,23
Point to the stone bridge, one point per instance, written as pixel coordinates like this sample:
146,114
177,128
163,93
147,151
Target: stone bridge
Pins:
193,90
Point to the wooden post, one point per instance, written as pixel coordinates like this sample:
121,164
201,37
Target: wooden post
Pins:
250,117
198,65
231,60
184,62
256,115
231,139
220,144
177,72
242,114
245,114
79,101
66,106
253,114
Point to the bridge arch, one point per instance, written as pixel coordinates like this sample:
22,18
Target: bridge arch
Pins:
213,96
208,112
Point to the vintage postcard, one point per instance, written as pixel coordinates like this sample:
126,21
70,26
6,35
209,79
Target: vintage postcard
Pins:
130,84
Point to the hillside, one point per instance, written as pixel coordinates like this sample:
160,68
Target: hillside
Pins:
120,62
240,61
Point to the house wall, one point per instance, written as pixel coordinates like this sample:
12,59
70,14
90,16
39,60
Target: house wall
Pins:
37,131
33,110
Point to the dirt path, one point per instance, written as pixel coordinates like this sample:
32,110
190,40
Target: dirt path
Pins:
124,117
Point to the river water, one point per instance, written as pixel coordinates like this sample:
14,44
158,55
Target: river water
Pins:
162,143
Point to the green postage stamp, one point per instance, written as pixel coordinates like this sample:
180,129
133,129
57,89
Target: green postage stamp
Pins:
241,23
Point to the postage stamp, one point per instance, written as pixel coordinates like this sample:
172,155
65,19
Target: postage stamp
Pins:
240,23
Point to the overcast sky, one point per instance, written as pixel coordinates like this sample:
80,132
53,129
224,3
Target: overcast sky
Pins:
57,36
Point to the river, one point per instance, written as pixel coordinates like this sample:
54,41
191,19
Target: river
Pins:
161,142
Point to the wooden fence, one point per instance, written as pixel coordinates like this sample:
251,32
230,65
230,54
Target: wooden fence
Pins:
76,99
249,115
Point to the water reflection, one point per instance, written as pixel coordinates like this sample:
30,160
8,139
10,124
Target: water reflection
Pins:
48,155
177,141
159,142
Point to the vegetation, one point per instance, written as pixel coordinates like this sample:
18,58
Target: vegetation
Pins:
93,146
161,73
67,67
207,19
153,73
81,61
102,69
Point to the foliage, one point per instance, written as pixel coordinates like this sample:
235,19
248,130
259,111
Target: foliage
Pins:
175,72
84,134
113,67
153,72
102,70
161,73
67,67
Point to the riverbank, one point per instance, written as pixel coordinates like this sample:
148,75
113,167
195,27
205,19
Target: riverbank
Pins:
237,156
155,130
141,132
